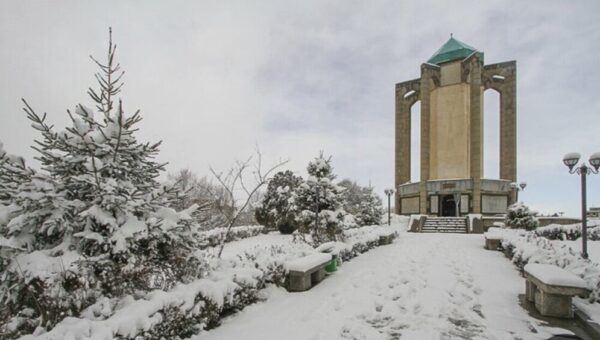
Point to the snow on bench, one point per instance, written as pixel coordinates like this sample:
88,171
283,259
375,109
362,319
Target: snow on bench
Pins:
492,240
307,271
553,275
552,288
308,262
333,248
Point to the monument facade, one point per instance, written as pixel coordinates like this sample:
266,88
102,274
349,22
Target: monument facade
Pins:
450,91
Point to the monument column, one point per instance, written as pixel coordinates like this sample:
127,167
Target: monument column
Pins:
402,155
428,73
508,127
407,93
476,151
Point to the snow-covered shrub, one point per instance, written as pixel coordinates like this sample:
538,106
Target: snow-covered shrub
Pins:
357,241
331,219
519,216
213,237
361,202
570,231
93,222
277,209
190,308
524,247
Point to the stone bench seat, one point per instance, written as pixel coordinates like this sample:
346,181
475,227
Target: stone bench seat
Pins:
492,241
387,238
307,271
552,289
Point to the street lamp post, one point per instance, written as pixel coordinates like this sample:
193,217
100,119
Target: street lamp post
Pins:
570,160
389,193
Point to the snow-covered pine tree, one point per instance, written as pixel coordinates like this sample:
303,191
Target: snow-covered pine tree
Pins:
370,208
352,194
361,202
13,172
331,219
277,208
95,209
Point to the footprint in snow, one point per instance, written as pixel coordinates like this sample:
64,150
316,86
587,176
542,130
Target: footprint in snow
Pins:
417,308
477,309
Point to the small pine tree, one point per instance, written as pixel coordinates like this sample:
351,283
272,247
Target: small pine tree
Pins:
521,217
98,199
352,194
320,193
370,208
361,202
278,209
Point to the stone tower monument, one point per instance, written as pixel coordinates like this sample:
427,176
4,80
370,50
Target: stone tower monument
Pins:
451,90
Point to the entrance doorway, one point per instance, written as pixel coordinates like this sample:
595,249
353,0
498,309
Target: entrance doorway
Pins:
447,206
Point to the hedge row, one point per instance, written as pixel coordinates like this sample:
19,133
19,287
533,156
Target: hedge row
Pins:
199,306
524,247
569,232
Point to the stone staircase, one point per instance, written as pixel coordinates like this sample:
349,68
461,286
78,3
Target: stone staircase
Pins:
445,225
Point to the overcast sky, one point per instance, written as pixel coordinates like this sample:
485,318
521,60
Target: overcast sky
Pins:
215,78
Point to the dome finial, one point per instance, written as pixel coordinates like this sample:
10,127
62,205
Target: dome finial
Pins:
450,34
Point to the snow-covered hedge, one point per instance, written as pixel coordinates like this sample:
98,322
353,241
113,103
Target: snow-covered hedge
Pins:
181,312
358,241
570,231
213,237
188,309
524,247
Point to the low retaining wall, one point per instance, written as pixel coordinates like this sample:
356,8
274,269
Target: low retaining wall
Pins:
488,221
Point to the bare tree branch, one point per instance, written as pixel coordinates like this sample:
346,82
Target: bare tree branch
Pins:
234,181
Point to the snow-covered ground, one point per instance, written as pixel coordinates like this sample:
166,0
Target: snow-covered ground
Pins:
423,286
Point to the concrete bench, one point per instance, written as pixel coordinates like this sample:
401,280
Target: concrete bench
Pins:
492,242
387,238
552,289
307,271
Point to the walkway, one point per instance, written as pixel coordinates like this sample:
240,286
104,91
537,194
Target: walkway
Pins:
424,286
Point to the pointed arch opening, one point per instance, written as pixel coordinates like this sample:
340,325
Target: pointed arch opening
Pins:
491,134
415,142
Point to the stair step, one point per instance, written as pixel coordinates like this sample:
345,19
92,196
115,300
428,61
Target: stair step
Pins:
445,224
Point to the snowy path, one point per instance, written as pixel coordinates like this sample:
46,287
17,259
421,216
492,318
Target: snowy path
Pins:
424,286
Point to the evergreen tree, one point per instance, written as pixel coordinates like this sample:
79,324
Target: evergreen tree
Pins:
277,209
104,179
361,202
352,194
320,193
13,173
97,199
370,208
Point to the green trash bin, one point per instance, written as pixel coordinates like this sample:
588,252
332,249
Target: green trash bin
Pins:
332,266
